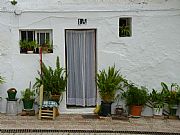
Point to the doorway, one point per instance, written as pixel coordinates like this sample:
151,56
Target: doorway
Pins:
81,67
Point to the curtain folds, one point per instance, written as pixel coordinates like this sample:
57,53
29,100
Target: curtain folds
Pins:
80,45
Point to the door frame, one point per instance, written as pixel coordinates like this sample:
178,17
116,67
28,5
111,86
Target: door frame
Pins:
95,47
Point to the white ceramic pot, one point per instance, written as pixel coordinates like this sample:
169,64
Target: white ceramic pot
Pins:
157,111
30,52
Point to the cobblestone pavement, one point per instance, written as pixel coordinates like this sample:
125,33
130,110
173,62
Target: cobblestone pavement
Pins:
72,122
63,134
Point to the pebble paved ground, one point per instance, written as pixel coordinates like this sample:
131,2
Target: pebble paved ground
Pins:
68,134
71,122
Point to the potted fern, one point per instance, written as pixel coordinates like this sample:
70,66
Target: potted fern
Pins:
54,81
108,83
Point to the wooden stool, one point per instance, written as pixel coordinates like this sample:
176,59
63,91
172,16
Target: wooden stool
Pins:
49,113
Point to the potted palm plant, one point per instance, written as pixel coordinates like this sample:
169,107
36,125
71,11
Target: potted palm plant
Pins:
135,98
27,46
108,83
54,81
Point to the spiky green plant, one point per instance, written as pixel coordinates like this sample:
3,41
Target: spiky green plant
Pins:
157,99
108,83
29,45
28,94
172,94
1,79
54,80
124,31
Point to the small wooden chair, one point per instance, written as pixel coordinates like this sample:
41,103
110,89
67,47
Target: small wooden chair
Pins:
47,109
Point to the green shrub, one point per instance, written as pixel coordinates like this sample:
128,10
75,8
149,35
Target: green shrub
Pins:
135,95
108,83
53,80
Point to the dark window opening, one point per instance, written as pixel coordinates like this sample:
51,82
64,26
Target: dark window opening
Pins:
125,27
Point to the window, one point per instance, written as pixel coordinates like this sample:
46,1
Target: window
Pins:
31,40
125,29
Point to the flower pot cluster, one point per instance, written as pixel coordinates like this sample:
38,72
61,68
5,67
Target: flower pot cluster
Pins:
28,46
31,47
136,97
111,81
166,100
53,80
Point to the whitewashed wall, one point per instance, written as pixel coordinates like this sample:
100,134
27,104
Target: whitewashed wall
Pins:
150,56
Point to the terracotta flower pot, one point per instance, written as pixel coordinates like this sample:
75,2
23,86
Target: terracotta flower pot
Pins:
55,98
135,111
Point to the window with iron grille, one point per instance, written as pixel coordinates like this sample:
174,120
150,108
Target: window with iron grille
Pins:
32,40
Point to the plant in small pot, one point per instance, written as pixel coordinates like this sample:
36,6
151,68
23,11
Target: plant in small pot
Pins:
135,98
172,97
31,46
27,46
53,80
47,47
157,101
11,94
108,83
28,98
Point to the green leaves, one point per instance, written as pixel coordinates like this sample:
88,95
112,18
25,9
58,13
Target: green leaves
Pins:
108,83
124,31
135,95
1,80
157,99
54,80
28,94
25,44
172,95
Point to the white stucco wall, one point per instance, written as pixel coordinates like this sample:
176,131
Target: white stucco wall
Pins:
150,56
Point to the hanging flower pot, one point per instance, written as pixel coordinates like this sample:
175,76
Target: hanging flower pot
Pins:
11,94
